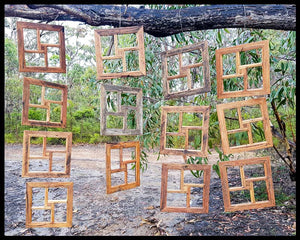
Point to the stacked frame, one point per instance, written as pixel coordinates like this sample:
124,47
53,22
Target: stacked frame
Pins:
185,70
245,125
46,155
119,52
185,188
241,70
45,103
49,204
41,48
123,166
122,111
183,131
247,184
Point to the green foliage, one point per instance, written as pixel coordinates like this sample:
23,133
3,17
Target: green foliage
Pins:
222,157
10,58
85,113
197,160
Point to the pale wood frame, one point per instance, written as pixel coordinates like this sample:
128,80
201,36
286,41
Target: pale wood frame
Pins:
121,110
244,125
47,155
120,52
49,204
42,47
45,104
184,71
185,187
184,130
123,166
241,70
247,184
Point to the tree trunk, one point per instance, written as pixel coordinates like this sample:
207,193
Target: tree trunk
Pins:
162,23
288,159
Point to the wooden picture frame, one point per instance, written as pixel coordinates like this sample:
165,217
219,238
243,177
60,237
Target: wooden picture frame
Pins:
247,184
41,48
46,155
49,204
241,70
185,71
122,111
245,125
185,188
45,103
123,164
119,52
183,131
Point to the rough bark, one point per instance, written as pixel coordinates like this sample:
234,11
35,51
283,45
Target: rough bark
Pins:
161,23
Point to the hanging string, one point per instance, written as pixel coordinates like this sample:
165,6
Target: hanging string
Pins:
244,12
120,21
180,19
244,15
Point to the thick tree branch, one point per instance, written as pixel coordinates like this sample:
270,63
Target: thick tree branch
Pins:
161,23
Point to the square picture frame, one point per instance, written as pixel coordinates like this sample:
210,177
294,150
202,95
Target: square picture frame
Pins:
119,52
41,48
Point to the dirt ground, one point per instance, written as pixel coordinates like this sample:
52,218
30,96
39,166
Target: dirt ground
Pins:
136,212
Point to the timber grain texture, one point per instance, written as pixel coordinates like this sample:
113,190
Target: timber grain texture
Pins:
185,188
184,130
49,204
120,52
245,125
123,167
45,103
122,110
247,184
242,70
42,48
46,155
185,71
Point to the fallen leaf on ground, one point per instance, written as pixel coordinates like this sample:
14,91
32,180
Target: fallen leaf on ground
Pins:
149,208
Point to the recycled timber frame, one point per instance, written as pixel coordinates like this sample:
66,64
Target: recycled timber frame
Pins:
42,48
49,204
245,125
120,52
122,110
241,70
184,70
185,187
45,104
123,166
184,130
247,184
46,154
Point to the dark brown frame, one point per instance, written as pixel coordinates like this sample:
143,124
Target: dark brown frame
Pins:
121,110
184,71
183,130
42,47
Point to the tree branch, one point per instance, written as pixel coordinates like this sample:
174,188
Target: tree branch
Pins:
161,23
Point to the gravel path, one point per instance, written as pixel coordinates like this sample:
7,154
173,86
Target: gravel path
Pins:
137,211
